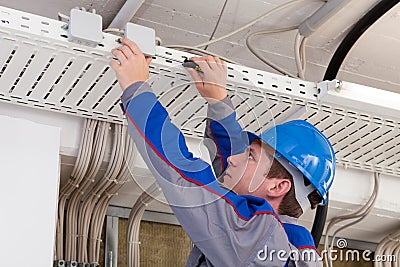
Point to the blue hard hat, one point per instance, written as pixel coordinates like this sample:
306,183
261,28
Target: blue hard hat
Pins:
306,148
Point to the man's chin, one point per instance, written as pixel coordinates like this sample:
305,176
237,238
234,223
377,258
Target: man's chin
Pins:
226,183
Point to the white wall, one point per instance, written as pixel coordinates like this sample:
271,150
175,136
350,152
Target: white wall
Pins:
29,160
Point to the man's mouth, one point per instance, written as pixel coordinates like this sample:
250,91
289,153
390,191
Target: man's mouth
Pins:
222,176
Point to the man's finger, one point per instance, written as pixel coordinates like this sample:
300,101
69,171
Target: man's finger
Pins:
148,60
196,78
212,62
119,55
219,62
132,45
204,66
195,75
127,51
223,63
194,58
114,64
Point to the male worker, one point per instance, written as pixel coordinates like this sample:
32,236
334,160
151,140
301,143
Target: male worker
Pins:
227,147
240,225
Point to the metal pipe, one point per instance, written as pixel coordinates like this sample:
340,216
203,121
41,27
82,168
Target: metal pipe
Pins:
126,13
321,16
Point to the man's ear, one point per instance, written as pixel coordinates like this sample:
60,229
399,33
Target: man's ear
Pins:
278,187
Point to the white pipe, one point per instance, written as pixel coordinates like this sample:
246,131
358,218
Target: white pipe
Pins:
383,247
397,255
321,16
126,13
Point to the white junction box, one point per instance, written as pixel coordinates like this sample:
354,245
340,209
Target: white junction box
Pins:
85,28
143,36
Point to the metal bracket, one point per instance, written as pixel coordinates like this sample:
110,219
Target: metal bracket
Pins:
324,86
111,245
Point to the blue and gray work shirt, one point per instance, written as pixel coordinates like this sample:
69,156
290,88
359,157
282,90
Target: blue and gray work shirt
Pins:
227,229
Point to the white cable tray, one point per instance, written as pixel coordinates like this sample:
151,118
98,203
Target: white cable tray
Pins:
41,69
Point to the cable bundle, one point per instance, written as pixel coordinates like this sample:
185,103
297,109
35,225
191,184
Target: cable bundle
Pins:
91,198
97,156
85,197
135,217
389,247
359,215
80,168
120,178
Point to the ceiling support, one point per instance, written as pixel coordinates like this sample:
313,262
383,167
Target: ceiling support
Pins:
126,13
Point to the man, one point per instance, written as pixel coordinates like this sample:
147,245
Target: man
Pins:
239,224
286,201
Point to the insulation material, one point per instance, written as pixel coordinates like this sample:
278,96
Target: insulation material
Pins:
160,244
163,245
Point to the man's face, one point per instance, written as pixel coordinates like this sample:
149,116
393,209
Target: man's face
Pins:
247,171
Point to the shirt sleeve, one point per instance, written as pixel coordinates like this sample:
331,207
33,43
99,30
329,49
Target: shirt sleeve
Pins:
228,229
223,134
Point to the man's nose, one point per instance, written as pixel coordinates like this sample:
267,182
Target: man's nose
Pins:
233,159
229,160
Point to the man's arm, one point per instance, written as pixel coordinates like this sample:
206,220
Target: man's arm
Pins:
229,229
223,133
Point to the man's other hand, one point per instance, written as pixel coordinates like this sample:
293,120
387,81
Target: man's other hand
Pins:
132,66
212,86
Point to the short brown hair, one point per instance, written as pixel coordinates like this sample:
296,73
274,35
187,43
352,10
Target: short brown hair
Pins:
289,205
